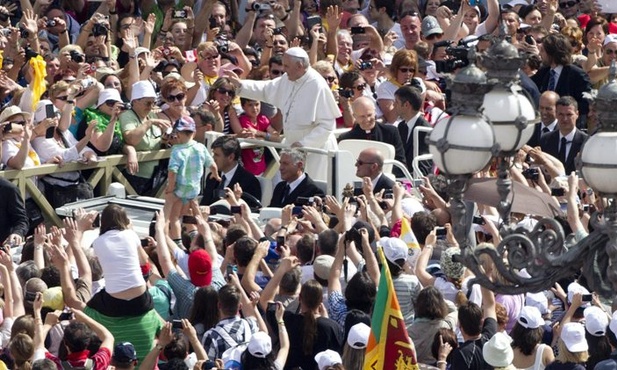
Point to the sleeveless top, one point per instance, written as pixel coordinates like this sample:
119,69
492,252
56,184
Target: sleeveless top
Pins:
537,363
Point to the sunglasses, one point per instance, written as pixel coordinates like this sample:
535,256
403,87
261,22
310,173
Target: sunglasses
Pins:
610,52
360,87
330,79
568,4
178,97
434,36
149,103
111,103
276,72
360,163
210,57
224,91
22,123
407,70
63,98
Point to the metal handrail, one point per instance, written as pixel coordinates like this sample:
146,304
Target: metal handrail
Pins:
104,172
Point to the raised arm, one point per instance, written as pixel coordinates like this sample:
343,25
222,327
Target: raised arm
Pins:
248,279
15,286
425,278
267,295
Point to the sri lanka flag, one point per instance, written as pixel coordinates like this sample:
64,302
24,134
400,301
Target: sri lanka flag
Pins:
389,345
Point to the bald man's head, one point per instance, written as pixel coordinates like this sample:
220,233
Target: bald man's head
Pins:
369,163
364,112
548,103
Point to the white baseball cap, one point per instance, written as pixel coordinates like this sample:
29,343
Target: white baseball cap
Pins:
530,317
40,113
327,358
596,321
573,336
394,249
260,344
358,336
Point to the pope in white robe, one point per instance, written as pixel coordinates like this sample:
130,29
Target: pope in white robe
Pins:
306,103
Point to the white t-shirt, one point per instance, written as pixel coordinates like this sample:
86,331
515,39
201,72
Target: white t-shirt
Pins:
117,253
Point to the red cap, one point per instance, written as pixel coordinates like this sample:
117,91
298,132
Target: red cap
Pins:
200,268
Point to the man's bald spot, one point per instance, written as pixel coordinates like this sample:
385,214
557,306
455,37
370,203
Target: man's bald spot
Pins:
362,103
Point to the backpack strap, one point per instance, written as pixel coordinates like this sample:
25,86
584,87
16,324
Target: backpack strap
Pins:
225,335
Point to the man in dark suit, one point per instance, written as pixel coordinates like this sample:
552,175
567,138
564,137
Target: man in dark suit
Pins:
565,143
13,217
366,128
561,76
407,103
226,153
296,183
370,164
548,117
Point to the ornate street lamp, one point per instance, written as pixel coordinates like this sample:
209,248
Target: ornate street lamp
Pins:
462,145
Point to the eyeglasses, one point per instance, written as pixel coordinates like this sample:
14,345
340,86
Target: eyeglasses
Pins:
63,98
330,79
610,52
224,91
210,57
148,103
434,36
407,70
568,4
111,103
360,87
276,72
360,163
178,97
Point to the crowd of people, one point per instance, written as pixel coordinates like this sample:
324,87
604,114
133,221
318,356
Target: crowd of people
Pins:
83,79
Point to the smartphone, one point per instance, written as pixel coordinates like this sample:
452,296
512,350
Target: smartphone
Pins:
176,324
297,211
220,194
145,242
64,316
189,220
357,192
530,40
357,30
213,23
388,196
312,21
236,210
441,233
7,128
50,112
97,221
587,297
271,306
558,192
585,207
383,205
30,296
478,220
49,133
280,241
417,183
472,2
230,270
179,13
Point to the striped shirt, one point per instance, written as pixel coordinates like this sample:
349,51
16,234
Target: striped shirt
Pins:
237,327
139,330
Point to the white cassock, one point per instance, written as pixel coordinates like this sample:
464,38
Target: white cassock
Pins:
309,113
